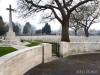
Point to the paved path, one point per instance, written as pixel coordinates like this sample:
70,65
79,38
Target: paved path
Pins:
85,64
19,47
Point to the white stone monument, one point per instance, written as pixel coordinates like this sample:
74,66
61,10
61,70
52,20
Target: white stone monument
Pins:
10,38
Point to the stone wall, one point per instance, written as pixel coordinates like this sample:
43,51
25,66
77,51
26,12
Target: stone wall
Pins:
18,62
72,48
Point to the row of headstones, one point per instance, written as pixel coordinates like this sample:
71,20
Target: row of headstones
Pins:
85,39
41,38
57,39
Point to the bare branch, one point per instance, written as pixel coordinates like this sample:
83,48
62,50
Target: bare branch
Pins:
56,16
80,3
65,5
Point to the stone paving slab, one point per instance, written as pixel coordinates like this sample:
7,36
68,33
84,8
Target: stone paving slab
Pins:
84,64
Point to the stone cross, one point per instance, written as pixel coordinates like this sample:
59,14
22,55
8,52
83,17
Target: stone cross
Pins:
10,17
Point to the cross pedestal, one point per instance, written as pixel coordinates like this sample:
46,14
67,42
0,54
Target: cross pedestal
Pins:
10,38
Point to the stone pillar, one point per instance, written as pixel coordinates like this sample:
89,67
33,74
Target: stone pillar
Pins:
47,52
63,49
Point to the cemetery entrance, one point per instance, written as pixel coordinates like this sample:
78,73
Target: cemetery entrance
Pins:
55,49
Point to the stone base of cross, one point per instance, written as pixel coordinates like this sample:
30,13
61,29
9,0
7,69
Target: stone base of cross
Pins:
11,39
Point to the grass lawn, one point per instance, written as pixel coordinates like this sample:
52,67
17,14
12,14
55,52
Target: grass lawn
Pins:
35,43
6,50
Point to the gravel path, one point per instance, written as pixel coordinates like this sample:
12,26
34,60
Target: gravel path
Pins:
85,64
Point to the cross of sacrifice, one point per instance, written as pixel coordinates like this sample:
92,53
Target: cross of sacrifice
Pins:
10,16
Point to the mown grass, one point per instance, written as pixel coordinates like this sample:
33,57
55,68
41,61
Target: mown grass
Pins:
6,50
54,47
35,43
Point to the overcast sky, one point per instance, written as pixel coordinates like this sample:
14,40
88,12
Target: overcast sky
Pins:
5,14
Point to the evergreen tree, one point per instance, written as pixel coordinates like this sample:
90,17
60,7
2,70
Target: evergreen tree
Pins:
2,26
27,28
46,29
16,28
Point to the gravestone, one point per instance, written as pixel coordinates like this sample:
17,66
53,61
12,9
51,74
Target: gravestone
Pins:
10,38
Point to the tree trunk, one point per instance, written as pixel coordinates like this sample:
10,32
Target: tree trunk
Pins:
86,32
75,32
65,31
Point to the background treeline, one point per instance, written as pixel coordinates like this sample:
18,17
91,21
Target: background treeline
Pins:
30,30
27,29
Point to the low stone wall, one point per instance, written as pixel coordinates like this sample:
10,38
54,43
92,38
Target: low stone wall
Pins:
72,48
18,62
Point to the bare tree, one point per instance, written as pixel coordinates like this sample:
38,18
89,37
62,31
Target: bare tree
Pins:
87,15
58,9
75,28
74,22
90,18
